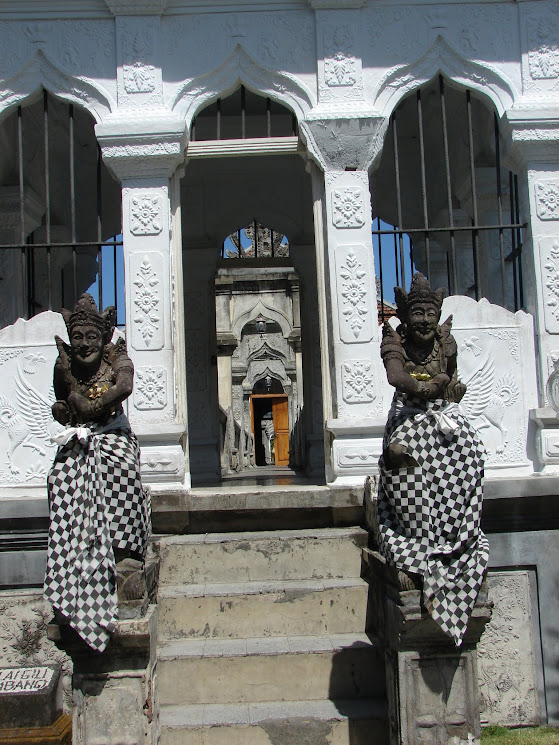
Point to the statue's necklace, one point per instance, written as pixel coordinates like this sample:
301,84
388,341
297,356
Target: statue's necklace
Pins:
95,377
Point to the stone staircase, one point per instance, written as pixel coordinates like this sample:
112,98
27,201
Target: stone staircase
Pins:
262,641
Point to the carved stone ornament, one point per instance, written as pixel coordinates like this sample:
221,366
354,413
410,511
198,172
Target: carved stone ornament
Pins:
353,294
146,297
549,249
138,78
543,58
150,388
506,670
340,70
347,207
357,455
138,43
547,199
145,214
358,384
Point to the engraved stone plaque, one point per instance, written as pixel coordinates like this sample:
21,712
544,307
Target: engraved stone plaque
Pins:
506,669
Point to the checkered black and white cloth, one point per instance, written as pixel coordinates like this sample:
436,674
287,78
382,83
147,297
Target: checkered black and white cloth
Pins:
429,515
96,502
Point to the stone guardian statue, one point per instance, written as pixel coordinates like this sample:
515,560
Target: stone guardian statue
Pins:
99,511
431,468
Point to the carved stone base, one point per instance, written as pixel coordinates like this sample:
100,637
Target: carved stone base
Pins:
432,687
114,691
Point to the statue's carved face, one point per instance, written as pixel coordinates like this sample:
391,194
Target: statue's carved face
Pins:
423,319
87,345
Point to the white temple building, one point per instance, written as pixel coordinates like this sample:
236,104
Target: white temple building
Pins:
247,181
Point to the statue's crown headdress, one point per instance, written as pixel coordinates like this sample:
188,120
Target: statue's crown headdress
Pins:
86,314
420,292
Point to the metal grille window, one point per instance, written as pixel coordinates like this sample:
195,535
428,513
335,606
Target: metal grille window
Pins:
64,210
243,115
443,203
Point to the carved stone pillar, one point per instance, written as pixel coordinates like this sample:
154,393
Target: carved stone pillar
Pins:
153,299
432,687
349,333
537,142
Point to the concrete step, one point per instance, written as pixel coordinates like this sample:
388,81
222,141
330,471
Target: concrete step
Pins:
236,507
259,609
270,669
353,722
262,555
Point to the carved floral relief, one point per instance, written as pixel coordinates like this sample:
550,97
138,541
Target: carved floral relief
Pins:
145,214
147,331
339,70
353,293
549,249
547,199
347,207
150,388
543,58
358,384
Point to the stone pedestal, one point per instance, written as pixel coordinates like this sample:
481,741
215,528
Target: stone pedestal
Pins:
432,686
114,693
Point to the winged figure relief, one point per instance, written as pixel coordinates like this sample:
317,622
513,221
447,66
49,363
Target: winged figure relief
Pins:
29,423
486,398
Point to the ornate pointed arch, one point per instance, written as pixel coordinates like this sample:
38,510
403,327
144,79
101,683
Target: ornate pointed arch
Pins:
259,369
261,308
442,58
239,68
39,73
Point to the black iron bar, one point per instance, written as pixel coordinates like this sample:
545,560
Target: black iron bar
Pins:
500,207
78,244
24,287
456,229
240,244
272,241
519,242
453,285
423,184
71,135
255,239
114,281
193,130
513,254
20,170
218,119
268,117
47,196
396,263
380,274
475,236
293,125
243,113
99,231
31,302
398,199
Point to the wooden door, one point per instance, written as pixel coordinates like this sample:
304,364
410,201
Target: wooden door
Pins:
280,412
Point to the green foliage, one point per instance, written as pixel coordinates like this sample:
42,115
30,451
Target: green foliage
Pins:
495,735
